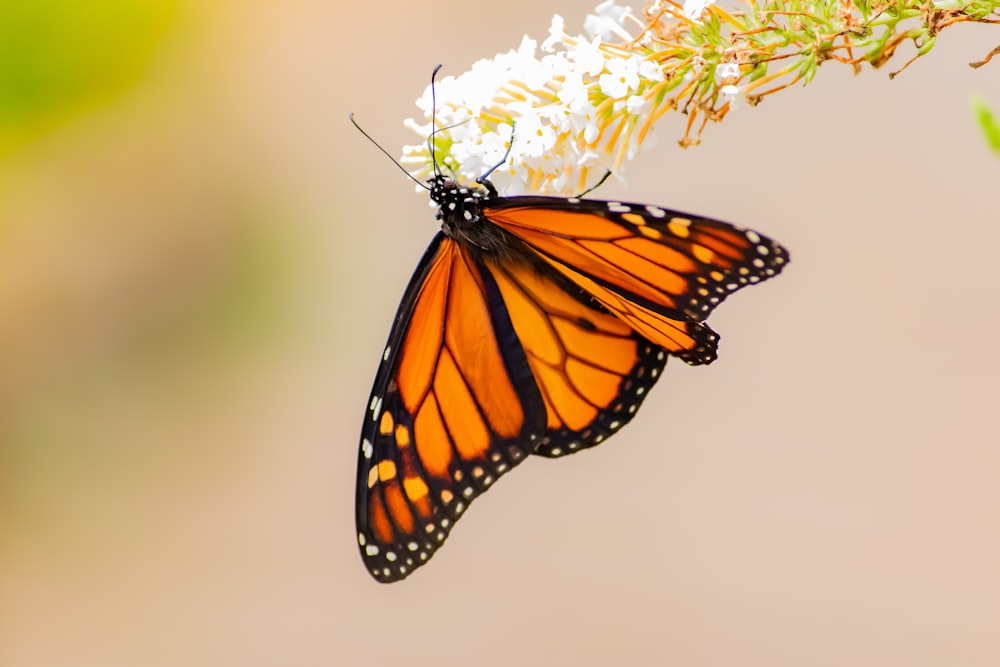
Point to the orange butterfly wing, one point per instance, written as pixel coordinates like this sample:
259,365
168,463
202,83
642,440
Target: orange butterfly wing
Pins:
662,272
489,360
592,369
453,408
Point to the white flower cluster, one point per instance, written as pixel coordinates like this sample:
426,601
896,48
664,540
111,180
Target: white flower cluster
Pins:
567,117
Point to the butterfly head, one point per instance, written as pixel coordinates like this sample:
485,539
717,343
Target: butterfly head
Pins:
457,204
460,210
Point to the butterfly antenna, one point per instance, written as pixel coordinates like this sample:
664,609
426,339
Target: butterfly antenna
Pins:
401,168
596,185
484,179
430,137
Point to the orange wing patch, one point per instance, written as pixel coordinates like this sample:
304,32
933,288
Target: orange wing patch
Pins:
690,340
593,370
453,408
660,271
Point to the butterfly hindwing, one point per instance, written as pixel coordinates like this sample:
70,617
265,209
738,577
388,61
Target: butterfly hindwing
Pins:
661,271
453,408
592,369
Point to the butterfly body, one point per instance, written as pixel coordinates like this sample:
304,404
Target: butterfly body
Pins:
532,325
462,219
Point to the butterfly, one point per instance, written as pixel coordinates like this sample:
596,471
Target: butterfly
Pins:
532,326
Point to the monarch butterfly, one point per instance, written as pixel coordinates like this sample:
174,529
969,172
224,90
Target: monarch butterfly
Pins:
532,325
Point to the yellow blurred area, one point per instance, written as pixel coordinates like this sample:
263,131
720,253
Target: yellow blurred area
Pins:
199,263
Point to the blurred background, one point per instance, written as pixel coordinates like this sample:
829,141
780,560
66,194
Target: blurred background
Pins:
199,263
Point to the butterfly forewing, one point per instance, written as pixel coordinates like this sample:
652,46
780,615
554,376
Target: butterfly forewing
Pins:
453,408
661,271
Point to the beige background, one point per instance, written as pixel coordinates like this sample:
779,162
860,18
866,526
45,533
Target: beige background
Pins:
176,491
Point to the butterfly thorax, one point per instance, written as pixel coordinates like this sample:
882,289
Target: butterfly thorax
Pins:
460,210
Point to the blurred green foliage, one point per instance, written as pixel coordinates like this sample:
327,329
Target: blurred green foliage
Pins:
59,58
988,123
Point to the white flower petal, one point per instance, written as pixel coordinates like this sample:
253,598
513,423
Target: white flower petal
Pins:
729,94
607,22
635,104
557,33
726,71
693,9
